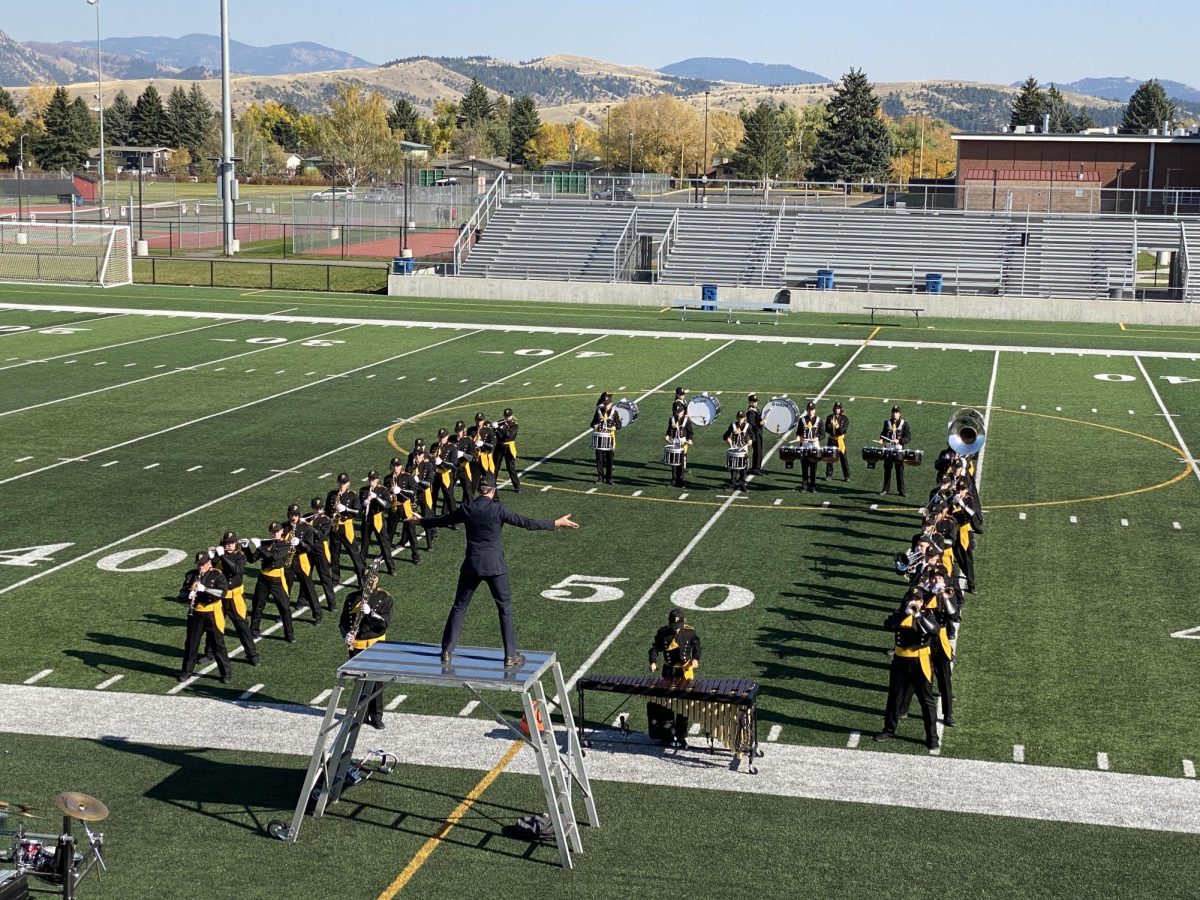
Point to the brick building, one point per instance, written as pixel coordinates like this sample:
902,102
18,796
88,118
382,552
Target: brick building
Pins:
1015,190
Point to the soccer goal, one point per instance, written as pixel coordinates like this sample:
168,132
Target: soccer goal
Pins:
66,253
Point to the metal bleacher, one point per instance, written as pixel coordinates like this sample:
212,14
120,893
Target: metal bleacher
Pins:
1189,240
725,247
1069,257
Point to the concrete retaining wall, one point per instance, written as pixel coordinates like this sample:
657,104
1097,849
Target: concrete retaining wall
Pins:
850,303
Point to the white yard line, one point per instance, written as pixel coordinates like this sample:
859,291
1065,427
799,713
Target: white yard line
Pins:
1187,454
34,679
395,701
321,697
852,741
155,337
987,415
109,314
250,691
773,734
1102,761
468,709
631,614
1018,753
273,476
108,682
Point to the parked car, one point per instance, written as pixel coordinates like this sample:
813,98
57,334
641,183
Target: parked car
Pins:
523,194
619,193
334,194
378,195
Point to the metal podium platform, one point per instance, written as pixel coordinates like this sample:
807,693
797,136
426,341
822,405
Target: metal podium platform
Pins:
478,669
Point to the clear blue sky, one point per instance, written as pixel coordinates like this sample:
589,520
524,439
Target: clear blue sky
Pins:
1054,40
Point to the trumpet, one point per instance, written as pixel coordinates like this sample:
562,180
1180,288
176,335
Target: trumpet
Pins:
370,582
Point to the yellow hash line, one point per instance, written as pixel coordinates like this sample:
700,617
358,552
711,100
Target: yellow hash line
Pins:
1122,324
664,309
878,328
451,820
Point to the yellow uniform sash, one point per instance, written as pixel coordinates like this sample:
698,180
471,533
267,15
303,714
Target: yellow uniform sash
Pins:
406,508
347,529
367,642
445,477
328,555
964,536
377,521
485,459
237,596
512,448
921,655
215,609
944,639
841,443
276,573
305,564
948,560
429,498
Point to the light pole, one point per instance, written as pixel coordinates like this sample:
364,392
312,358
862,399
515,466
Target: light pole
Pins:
20,174
705,166
512,100
631,157
226,176
99,97
607,136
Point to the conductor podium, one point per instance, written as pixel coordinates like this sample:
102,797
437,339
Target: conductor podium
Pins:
478,669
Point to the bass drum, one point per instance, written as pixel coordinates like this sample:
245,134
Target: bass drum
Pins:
627,412
703,410
780,415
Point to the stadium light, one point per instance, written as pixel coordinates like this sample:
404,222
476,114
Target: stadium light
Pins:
99,97
20,174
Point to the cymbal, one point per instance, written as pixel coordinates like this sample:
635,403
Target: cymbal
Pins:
16,809
81,806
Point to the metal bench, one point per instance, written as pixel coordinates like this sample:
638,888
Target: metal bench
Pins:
915,310
730,308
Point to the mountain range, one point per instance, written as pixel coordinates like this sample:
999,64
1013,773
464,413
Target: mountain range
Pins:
716,68
1121,88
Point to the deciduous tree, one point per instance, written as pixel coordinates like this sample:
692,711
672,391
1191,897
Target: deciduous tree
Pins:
355,139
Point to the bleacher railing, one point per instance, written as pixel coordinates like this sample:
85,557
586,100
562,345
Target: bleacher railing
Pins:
670,235
625,247
485,205
766,266
1191,292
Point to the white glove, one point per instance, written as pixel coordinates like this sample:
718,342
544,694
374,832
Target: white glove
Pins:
245,542
255,542
395,488
341,507
220,551
191,596
366,608
295,541
370,496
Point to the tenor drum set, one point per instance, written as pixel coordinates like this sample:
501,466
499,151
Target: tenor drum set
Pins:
873,455
52,858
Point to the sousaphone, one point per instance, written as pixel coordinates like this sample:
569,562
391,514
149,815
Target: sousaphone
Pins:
966,432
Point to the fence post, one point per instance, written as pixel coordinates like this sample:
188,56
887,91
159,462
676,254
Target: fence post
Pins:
327,290
211,281
153,270
271,275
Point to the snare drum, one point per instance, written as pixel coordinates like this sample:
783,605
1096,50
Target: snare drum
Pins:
735,459
673,454
627,412
703,410
913,457
780,415
602,440
829,453
26,853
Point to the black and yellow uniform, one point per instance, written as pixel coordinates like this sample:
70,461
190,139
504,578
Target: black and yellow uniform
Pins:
912,669
506,447
322,555
300,570
895,433
272,581
484,436
967,516
679,644
606,421
425,476
754,417
373,502
232,562
679,428
341,505
944,607
444,454
372,628
400,488
738,434
204,590
836,426
466,473
809,431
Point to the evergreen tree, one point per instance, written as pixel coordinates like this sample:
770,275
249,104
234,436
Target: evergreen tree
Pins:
84,126
149,119
476,106
1148,108
523,124
1029,105
201,117
405,121
64,142
8,104
118,121
177,118
762,154
856,146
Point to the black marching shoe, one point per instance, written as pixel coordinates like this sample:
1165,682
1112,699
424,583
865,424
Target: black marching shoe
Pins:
514,662
291,639
254,660
884,736
225,679
206,658
933,744
949,722
376,722
182,677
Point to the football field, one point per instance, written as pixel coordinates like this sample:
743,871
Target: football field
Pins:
138,424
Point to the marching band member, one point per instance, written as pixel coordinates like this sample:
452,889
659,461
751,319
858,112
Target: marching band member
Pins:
606,419
467,469
321,556
366,615
964,509
443,454
808,432
272,579
374,503
754,418
911,668
738,434
426,478
679,645
895,433
204,590
836,426
301,555
341,504
506,447
679,428
401,490
485,444
232,562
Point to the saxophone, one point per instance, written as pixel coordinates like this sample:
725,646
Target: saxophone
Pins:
291,553
370,582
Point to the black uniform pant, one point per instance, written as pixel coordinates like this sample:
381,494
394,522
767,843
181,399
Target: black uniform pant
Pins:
324,575
756,453
397,522
380,534
604,461
240,626
466,482
504,456
944,673
308,593
443,495
890,465
204,625
677,474
808,474
427,510
737,477
845,467
375,704
337,543
965,561
269,587
468,581
905,678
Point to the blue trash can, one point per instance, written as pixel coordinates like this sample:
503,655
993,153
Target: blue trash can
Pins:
708,297
933,282
402,265
824,279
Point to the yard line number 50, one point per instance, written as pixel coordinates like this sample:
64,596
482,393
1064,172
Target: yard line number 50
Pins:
602,589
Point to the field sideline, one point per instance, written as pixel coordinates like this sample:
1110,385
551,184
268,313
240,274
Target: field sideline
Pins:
159,417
